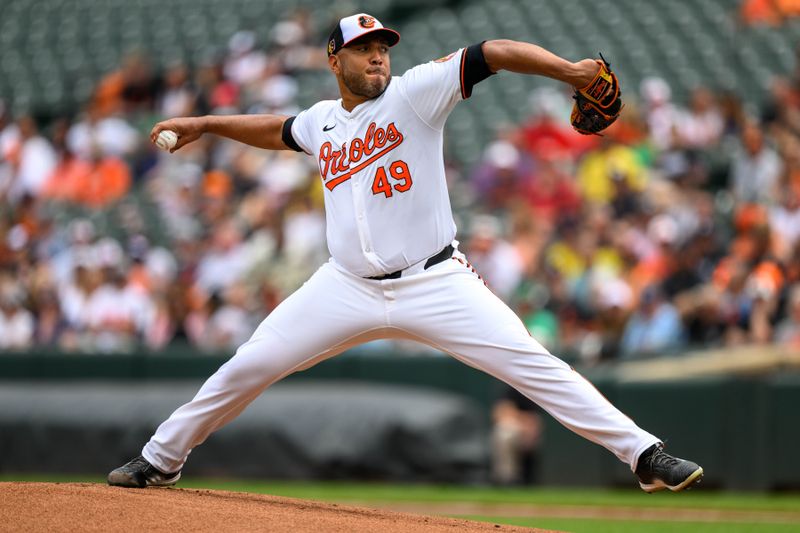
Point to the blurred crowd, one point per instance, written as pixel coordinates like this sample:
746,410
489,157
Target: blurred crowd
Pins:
108,244
679,228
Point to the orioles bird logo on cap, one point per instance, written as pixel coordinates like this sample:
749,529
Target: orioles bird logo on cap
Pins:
366,21
331,46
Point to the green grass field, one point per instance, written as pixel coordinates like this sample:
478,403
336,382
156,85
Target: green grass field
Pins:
579,510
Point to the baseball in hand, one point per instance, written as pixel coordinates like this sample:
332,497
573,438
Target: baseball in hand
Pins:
166,140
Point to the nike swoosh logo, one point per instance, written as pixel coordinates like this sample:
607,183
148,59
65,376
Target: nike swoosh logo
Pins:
328,128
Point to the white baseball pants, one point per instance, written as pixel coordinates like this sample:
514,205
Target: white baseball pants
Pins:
447,307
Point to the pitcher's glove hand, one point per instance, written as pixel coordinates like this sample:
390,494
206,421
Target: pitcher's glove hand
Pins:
598,104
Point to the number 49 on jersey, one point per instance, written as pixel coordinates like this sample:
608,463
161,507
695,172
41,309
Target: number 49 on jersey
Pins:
400,179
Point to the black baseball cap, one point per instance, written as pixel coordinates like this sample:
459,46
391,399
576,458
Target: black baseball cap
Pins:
351,28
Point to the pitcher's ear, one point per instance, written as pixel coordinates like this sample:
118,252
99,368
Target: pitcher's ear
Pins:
333,63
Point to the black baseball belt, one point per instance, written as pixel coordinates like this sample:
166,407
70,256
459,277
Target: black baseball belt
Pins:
446,253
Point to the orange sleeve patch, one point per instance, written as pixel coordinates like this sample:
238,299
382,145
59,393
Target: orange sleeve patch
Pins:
445,58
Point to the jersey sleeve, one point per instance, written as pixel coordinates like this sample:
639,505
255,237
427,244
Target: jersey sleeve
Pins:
296,133
433,89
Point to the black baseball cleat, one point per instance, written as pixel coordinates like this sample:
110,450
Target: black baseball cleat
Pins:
140,474
658,470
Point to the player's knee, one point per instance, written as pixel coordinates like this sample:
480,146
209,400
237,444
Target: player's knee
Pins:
254,366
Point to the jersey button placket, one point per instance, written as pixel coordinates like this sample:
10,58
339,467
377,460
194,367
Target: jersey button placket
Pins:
358,206
358,201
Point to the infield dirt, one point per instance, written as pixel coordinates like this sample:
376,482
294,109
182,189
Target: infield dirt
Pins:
95,507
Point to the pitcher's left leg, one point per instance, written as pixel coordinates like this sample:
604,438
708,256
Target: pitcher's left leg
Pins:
450,308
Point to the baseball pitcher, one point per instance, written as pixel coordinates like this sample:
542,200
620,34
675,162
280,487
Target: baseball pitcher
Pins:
395,269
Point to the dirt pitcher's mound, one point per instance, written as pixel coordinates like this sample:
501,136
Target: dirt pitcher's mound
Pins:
94,507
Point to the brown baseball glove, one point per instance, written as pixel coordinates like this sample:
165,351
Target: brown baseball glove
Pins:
598,104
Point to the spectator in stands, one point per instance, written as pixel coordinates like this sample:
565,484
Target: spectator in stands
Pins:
245,63
516,436
9,133
685,274
200,307
654,327
735,299
597,263
613,299
283,173
17,324
502,173
160,329
62,183
140,84
50,322
95,183
179,96
601,169
27,219
9,141
118,314
32,160
654,266
734,116
631,129
494,258
7,253
531,301
552,194
277,91
157,268
702,125
100,135
662,115
764,286
231,324
304,248
293,42
75,294
547,130
225,261
783,107
221,94
176,192
107,96
216,189
529,237
565,255
784,220
702,312
756,168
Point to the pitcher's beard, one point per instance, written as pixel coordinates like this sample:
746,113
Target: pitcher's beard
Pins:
361,86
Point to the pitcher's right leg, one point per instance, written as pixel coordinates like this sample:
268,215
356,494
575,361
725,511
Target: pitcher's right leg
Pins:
327,315
454,311
450,308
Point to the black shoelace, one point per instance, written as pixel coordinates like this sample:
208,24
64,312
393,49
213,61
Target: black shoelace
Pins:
139,462
659,459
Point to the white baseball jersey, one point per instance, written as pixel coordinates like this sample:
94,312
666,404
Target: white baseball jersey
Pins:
387,209
383,171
